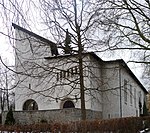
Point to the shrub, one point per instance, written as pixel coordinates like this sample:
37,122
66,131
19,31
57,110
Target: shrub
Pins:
145,111
10,118
117,125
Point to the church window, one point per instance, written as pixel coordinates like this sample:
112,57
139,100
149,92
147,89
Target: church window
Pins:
135,97
131,94
30,105
61,74
57,76
68,73
125,91
68,104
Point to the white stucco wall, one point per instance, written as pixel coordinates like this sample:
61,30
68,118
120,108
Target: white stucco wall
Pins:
39,75
111,90
93,83
114,104
131,108
104,81
30,53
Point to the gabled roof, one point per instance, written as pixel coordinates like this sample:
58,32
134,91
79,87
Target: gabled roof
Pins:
52,44
119,61
33,34
125,66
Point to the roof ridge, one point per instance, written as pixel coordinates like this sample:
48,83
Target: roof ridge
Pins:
32,33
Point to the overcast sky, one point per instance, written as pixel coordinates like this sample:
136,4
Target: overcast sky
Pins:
6,50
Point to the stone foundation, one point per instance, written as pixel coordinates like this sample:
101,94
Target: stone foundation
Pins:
58,115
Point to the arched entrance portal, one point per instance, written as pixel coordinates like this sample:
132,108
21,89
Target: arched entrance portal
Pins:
30,105
68,104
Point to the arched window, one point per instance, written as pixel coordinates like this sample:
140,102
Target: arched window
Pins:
30,105
68,104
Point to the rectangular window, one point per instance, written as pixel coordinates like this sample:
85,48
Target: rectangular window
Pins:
64,74
57,76
61,74
68,73
72,71
125,91
76,69
134,97
131,95
140,95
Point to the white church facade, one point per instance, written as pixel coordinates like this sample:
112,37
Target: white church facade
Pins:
49,81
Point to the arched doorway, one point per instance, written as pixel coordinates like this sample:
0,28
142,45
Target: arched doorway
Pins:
68,104
30,105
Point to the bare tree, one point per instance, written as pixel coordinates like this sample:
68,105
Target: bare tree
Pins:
80,18
128,23
76,27
6,83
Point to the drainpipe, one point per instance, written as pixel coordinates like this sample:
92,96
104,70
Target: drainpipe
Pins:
120,99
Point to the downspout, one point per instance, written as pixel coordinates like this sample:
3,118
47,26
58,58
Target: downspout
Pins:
120,99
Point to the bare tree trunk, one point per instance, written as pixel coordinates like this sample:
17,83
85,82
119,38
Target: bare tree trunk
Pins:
1,98
83,110
82,90
7,92
80,50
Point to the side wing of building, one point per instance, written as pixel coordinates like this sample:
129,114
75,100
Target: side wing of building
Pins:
122,91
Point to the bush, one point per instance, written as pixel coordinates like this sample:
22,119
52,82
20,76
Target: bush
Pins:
118,125
10,118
